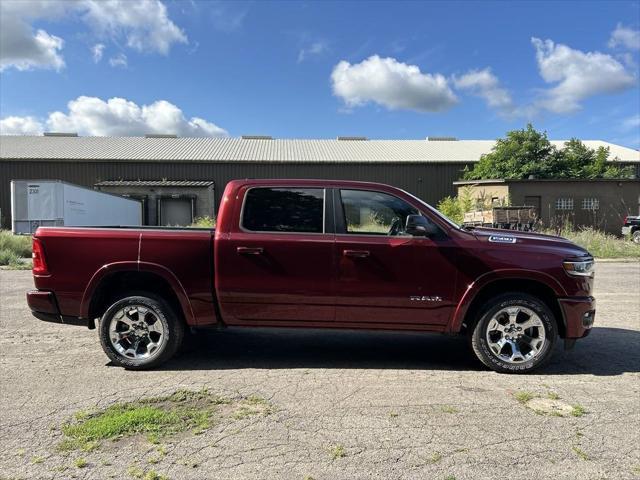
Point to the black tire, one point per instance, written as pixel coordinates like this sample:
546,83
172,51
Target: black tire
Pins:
172,325
636,236
497,363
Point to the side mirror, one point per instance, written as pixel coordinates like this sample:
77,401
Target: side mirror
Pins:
420,226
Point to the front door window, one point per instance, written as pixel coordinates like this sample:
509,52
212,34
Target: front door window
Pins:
374,213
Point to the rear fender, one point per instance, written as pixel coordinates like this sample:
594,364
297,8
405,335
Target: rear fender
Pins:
134,266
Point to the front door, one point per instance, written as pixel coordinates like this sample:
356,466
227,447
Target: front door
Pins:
385,276
276,265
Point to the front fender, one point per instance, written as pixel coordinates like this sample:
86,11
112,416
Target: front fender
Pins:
135,266
484,280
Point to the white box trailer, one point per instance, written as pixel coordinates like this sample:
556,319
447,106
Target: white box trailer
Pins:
36,203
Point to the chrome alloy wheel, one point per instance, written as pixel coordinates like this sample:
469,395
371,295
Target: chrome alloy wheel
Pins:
515,334
136,332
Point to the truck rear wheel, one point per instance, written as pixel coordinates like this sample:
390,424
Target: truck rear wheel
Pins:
515,333
140,332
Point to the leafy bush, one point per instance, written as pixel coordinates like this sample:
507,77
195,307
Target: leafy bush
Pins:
13,249
450,207
204,222
8,257
19,245
456,207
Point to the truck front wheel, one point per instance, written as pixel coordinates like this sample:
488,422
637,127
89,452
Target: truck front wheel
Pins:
515,333
140,332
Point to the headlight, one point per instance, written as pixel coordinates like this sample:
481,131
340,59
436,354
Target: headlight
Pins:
579,268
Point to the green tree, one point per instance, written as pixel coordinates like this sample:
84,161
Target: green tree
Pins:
575,160
527,152
520,154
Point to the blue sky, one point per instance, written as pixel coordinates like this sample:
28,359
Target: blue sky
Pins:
472,70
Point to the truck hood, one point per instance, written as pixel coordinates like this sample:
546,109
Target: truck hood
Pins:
511,238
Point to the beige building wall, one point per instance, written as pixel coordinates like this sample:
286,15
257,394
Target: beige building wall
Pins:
487,194
600,204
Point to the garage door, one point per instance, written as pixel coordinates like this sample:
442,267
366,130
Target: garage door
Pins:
175,212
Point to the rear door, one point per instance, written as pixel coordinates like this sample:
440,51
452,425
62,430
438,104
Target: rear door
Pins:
385,277
275,267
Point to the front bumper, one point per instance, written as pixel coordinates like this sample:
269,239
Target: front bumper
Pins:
579,315
44,306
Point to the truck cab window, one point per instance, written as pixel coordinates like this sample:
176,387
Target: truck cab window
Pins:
298,210
374,213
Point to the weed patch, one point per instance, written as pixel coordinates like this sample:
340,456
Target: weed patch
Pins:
435,458
250,406
578,411
523,396
338,452
580,453
155,417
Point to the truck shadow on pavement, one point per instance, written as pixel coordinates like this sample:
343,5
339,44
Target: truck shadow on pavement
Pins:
607,351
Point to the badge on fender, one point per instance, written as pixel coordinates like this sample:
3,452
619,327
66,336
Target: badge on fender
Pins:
502,239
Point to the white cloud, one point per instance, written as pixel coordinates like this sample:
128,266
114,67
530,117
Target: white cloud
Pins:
20,126
97,51
631,123
393,84
577,75
485,84
143,25
119,60
626,37
228,17
20,46
115,117
316,48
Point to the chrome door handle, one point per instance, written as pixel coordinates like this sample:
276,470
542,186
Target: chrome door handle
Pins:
250,250
356,253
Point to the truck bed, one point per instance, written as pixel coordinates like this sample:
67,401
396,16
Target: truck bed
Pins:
81,258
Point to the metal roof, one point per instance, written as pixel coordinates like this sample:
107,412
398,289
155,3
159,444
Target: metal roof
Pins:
154,183
257,150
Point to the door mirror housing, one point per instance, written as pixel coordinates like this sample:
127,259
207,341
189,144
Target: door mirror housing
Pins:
420,226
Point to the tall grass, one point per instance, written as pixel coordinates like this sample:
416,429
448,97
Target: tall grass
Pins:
13,248
599,244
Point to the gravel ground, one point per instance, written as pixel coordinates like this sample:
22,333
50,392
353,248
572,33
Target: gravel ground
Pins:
346,405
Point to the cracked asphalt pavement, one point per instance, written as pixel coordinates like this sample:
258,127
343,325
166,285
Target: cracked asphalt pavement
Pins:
346,405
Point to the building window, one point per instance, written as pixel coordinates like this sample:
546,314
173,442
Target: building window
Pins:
590,203
564,203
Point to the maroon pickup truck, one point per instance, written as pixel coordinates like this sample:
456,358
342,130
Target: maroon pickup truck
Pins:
320,254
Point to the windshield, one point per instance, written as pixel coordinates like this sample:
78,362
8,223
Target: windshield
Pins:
436,212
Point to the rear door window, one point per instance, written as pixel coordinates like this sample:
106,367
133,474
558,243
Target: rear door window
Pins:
282,209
